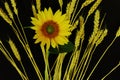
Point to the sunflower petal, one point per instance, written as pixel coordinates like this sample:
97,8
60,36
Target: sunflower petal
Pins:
47,44
37,40
53,43
60,40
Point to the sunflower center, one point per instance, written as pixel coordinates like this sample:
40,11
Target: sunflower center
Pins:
50,29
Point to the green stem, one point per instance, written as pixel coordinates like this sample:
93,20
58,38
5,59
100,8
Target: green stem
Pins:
47,68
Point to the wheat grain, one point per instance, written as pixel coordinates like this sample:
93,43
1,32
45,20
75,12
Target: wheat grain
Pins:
14,49
81,27
94,7
67,10
96,25
86,3
80,33
34,11
5,17
77,39
70,7
14,6
74,25
97,36
102,37
81,21
118,32
96,21
7,7
73,64
60,3
38,5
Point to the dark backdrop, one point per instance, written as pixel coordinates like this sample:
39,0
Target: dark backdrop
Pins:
112,57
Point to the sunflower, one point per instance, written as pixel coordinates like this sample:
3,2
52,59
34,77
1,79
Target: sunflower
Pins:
51,29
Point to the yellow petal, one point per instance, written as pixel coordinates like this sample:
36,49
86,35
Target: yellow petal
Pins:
37,40
47,44
63,33
34,28
57,15
35,36
53,43
43,17
62,18
46,14
61,40
50,13
42,44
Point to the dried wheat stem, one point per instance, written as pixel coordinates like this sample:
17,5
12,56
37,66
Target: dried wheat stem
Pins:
10,59
70,8
111,71
17,55
58,67
100,58
74,25
74,11
30,56
97,36
47,68
88,63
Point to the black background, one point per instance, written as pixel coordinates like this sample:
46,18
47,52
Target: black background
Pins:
111,22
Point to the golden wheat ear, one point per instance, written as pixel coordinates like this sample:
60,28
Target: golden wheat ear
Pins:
14,49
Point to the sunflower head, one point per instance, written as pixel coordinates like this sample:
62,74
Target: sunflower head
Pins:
51,29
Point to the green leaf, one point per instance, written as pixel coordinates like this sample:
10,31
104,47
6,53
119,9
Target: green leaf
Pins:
53,50
62,48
